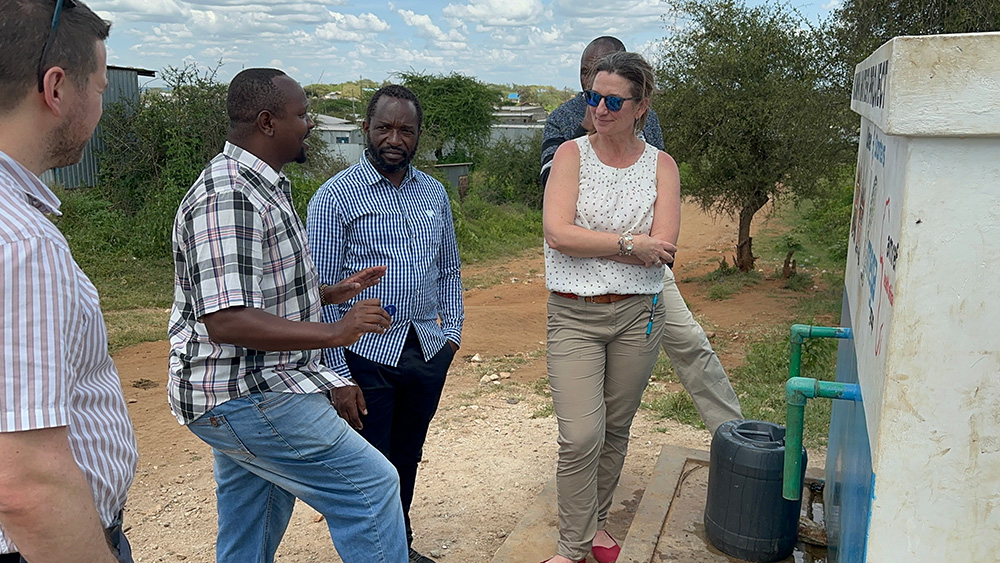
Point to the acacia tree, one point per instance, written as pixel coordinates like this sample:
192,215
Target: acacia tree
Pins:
458,111
744,104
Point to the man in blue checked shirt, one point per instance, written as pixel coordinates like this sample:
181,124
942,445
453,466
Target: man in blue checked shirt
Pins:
383,211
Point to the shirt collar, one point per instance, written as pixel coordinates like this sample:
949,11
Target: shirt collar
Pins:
373,176
246,158
36,192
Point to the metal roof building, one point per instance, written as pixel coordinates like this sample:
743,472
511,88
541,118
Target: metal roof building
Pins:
123,84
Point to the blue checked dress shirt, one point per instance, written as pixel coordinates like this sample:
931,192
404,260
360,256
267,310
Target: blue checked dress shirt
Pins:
359,219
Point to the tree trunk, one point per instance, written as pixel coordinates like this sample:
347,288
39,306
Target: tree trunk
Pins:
744,246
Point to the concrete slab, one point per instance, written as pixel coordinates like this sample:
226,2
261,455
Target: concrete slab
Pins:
660,521
534,538
648,523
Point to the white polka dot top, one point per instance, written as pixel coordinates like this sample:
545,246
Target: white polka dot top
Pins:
611,200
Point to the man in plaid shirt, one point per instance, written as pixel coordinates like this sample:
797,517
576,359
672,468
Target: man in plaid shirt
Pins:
245,332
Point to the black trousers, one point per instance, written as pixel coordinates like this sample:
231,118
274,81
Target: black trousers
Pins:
401,402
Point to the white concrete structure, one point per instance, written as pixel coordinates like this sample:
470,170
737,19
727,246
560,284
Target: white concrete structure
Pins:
923,290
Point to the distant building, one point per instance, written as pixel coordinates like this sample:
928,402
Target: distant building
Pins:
343,138
520,115
123,84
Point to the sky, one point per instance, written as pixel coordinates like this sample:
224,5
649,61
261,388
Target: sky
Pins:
334,41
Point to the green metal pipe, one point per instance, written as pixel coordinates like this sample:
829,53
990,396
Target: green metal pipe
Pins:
800,333
797,391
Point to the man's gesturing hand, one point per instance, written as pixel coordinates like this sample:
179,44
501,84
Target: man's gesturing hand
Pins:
364,317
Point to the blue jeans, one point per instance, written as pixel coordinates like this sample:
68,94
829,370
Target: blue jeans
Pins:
270,448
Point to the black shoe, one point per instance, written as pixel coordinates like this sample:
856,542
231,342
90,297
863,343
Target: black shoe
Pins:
415,557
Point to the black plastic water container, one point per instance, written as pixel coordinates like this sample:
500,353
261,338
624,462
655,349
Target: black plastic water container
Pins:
745,515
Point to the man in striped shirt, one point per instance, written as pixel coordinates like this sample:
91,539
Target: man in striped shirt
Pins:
67,451
383,211
245,335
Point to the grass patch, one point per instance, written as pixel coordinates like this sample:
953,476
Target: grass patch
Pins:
544,411
676,405
485,231
134,326
726,281
671,404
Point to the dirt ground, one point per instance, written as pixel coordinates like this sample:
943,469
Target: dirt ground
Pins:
491,447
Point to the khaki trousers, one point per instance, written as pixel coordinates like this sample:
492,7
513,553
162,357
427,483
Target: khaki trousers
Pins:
599,361
697,366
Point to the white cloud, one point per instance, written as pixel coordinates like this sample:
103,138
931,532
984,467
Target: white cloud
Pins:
831,5
349,28
498,13
426,28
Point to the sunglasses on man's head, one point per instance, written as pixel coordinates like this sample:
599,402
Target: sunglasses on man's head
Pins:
50,38
613,103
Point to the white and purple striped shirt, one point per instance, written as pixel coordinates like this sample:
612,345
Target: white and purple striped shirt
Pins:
239,243
55,361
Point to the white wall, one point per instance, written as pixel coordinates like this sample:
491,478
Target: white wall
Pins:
925,312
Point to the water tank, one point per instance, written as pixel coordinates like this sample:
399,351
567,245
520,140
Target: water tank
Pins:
745,516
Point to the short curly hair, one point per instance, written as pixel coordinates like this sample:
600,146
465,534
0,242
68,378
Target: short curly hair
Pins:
250,92
394,91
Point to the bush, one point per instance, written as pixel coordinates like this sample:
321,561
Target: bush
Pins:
508,173
829,220
487,231
156,148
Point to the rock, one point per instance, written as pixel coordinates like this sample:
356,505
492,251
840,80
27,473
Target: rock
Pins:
512,401
504,375
318,518
709,335
811,532
475,359
485,379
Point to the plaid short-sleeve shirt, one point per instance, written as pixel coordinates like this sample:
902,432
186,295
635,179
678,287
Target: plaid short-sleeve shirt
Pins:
237,242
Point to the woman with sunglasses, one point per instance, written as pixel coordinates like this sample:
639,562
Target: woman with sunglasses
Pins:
611,217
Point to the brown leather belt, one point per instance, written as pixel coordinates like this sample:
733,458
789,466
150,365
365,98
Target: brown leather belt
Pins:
606,298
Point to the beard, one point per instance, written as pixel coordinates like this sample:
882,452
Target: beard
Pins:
383,165
67,141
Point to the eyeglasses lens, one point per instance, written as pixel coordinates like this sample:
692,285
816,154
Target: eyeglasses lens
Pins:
593,99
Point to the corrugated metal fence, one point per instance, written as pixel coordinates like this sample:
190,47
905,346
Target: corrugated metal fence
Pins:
123,84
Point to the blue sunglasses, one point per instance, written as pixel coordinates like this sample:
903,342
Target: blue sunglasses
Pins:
50,38
613,103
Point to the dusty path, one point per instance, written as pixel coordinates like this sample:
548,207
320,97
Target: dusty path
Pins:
491,447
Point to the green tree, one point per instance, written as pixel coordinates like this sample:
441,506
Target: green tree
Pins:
744,105
458,111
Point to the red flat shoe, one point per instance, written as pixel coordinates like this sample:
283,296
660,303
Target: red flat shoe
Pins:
607,554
